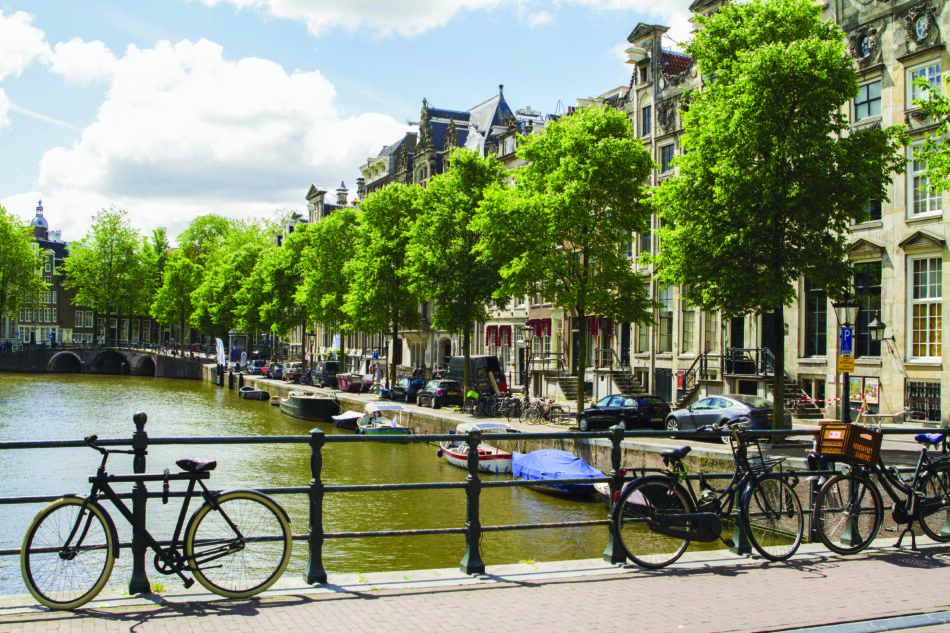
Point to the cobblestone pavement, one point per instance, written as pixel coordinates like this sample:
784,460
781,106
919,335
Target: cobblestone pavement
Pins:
881,589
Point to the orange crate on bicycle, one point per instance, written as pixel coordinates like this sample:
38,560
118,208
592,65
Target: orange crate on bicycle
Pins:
849,443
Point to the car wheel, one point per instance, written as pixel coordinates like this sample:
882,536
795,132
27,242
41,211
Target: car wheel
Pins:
408,399
672,424
435,403
583,424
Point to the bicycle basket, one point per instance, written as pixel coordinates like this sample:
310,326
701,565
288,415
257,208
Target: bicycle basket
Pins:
849,443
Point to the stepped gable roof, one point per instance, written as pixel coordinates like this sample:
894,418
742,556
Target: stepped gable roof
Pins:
675,62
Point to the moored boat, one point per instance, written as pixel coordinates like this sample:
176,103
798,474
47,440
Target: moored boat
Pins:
347,419
490,458
373,421
310,406
551,463
253,393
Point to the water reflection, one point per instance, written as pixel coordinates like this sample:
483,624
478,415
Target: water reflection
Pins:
69,406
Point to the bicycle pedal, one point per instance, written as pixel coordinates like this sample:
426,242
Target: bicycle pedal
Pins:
189,582
729,542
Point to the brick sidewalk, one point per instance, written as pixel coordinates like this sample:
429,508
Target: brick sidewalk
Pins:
703,593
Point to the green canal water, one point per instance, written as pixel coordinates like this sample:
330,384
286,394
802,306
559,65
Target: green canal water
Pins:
68,407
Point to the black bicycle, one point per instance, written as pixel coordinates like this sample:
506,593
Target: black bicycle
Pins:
657,515
849,511
236,544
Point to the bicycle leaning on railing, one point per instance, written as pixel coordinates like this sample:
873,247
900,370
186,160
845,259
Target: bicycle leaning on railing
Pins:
849,511
657,515
543,409
70,547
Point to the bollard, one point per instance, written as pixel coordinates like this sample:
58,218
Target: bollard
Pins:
472,561
614,553
316,574
230,380
219,376
139,582
241,380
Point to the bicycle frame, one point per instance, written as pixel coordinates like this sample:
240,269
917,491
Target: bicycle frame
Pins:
895,486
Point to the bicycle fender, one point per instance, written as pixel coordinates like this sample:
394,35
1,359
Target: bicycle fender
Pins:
109,522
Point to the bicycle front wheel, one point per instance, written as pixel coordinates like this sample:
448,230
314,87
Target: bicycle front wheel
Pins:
67,555
642,503
848,513
243,562
934,508
772,516
513,412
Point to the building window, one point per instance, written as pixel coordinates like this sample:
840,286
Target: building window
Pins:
665,334
643,338
688,326
924,398
711,331
646,120
646,242
88,319
873,210
930,74
926,303
867,290
78,318
816,320
509,145
666,158
868,101
922,200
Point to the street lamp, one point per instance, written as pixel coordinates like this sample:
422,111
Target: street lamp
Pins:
846,312
876,329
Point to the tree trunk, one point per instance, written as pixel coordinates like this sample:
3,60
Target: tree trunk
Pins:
581,359
778,391
466,355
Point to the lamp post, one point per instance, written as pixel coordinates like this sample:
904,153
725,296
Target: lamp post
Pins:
846,312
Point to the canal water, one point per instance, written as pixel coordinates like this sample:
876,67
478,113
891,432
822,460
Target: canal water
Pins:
70,406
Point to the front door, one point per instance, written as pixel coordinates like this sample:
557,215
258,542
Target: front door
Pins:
737,332
625,345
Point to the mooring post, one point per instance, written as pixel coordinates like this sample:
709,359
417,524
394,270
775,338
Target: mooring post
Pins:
472,561
614,553
139,582
316,574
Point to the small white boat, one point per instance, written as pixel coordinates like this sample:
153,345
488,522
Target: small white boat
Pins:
373,421
253,393
490,458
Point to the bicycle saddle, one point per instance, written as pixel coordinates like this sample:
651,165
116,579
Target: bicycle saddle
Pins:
929,438
196,465
676,453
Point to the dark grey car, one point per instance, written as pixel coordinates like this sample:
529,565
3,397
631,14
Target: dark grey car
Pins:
719,409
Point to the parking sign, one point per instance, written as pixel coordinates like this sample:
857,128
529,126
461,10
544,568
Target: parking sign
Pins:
847,341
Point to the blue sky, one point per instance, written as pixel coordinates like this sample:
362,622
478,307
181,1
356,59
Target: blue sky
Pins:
173,108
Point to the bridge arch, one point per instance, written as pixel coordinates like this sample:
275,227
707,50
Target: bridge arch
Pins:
145,366
108,362
65,362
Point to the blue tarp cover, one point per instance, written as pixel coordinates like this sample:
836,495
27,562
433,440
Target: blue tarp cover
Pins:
551,463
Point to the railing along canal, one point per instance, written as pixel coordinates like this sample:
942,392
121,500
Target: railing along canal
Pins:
471,562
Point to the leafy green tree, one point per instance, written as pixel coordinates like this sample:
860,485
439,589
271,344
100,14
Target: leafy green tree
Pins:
173,301
561,231
204,235
106,269
443,262
323,288
380,298
769,179
21,266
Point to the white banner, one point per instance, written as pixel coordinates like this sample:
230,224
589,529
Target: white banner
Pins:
220,349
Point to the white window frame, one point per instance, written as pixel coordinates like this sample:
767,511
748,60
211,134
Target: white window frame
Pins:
930,71
928,203
926,300
865,90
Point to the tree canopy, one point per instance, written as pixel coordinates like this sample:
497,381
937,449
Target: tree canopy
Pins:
21,279
561,231
173,301
769,179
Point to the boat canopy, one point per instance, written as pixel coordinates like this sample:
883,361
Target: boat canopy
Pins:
497,427
551,463
373,407
347,415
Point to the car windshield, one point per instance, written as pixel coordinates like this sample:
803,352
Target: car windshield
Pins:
647,401
754,402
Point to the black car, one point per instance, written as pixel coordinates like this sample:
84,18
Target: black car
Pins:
406,389
719,409
634,412
324,373
437,393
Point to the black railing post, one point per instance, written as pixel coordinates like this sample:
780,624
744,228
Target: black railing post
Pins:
614,553
472,561
139,582
316,574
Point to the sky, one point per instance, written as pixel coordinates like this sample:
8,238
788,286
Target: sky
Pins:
171,109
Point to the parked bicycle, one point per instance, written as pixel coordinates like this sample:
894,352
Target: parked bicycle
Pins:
657,515
849,511
236,544
542,409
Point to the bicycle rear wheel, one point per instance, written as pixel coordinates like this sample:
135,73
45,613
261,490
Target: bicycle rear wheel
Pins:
848,513
934,508
61,576
514,411
243,563
772,516
641,503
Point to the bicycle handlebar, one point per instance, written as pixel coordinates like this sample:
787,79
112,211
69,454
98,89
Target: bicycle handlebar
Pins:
91,440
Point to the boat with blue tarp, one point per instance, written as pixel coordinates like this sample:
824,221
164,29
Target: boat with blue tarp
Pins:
551,463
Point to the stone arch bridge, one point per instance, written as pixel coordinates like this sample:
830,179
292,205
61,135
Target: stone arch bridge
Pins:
101,360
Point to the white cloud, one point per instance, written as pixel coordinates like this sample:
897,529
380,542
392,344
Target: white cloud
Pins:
82,62
186,131
672,13
20,43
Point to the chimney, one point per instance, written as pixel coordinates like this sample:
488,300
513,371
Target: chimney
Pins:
341,194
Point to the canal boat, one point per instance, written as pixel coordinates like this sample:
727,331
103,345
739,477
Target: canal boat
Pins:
551,463
347,419
308,405
253,393
373,421
354,382
490,458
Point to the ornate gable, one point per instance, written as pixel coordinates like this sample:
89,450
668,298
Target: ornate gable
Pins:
922,240
865,249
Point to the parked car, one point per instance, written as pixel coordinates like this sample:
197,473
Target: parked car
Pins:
293,371
634,412
324,373
437,393
274,371
256,366
720,409
406,389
